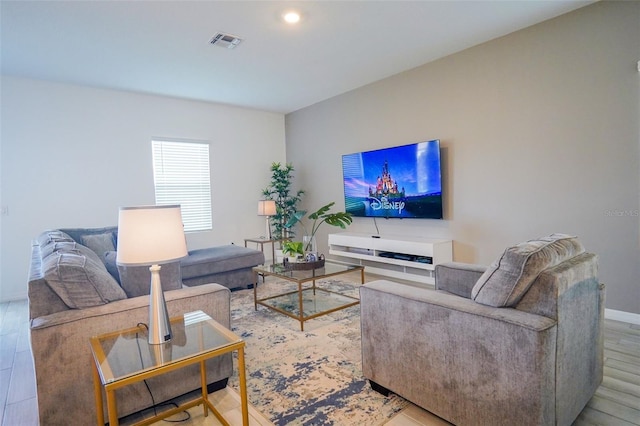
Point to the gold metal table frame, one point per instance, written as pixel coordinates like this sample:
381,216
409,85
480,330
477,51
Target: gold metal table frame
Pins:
208,340
300,277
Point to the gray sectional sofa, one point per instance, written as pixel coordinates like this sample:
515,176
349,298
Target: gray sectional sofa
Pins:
227,265
75,292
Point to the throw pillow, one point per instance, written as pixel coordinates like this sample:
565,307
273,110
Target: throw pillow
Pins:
506,281
111,265
80,282
99,243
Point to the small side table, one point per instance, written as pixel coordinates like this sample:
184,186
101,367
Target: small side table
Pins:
265,240
125,357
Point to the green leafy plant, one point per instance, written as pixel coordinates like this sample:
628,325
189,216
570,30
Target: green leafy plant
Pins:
280,191
320,216
292,248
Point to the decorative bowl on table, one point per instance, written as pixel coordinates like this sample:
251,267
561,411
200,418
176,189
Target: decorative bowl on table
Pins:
310,261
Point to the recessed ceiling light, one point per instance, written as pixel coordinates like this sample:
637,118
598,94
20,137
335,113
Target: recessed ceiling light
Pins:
291,17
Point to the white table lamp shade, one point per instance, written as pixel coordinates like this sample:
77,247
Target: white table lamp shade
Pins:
150,235
266,208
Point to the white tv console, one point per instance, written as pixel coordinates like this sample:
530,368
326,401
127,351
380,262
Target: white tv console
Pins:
410,258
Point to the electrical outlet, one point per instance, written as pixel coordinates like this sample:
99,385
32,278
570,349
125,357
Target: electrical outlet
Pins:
4,211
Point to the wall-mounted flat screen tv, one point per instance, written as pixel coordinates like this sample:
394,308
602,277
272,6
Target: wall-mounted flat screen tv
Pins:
397,182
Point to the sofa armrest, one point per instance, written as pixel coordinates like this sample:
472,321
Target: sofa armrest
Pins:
127,313
458,278
62,354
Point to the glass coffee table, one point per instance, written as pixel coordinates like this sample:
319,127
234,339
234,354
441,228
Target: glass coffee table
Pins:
124,357
306,302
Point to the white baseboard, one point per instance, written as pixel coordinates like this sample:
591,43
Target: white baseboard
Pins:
622,316
6,298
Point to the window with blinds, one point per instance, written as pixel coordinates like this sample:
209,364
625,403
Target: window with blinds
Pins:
181,176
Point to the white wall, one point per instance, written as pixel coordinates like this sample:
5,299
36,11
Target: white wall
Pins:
71,156
540,134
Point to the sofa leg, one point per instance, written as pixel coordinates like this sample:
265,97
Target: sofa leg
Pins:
216,386
378,388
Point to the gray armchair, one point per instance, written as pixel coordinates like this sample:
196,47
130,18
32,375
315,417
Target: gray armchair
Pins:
520,342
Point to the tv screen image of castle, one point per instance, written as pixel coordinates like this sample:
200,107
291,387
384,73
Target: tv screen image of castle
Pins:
397,182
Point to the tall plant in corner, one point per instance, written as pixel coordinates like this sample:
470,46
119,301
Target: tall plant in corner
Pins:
280,191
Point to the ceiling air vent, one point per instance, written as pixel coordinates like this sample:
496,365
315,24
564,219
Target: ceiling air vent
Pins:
225,40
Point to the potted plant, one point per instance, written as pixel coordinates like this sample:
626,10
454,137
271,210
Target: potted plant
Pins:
292,249
320,216
279,190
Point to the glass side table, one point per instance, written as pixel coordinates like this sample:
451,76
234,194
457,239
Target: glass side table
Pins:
265,240
125,357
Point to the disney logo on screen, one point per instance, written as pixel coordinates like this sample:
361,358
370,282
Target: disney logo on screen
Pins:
384,204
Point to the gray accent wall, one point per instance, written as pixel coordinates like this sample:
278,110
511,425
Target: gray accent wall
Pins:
540,133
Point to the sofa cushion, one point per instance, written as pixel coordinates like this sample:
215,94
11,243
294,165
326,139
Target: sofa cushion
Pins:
99,243
50,237
63,246
79,281
506,281
69,247
136,280
78,233
219,259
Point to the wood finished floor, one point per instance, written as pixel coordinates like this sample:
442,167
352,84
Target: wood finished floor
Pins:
616,402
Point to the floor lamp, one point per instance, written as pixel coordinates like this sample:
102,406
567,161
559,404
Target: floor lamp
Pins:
267,208
152,235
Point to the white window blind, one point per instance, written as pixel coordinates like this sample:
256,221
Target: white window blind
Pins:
181,176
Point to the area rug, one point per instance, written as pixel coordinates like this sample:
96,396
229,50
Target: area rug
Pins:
311,377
